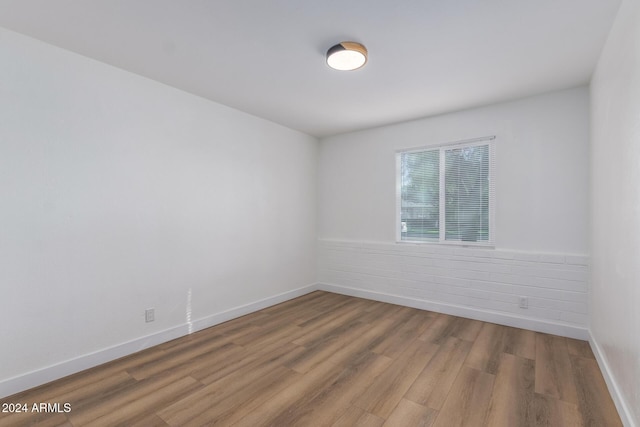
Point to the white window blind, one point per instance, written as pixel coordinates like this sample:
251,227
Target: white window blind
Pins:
447,193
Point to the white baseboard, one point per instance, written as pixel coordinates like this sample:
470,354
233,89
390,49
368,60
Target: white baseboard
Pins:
624,411
41,376
506,319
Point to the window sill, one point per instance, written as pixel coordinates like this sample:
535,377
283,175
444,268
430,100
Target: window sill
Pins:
475,245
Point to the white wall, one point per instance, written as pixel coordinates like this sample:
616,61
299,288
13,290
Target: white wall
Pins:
542,172
541,216
615,210
118,194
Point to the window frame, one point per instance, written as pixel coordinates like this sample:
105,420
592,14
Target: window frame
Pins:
488,141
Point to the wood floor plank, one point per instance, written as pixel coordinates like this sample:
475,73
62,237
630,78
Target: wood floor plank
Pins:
142,399
151,420
388,389
205,361
327,301
397,341
289,315
439,330
512,403
252,365
85,382
22,419
358,417
305,388
326,304
96,394
332,360
261,335
350,307
245,360
372,336
373,314
328,320
209,406
580,348
552,412
520,342
594,402
328,330
375,305
239,324
445,326
326,407
432,385
230,393
306,300
466,329
553,368
184,357
409,413
468,400
136,412
486,352
82,391
322,350
191,339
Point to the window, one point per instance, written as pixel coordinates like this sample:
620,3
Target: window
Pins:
447,193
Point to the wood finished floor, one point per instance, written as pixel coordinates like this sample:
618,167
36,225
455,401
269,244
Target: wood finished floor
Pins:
331,360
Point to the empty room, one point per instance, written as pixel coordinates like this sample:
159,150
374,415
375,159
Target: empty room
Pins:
279,213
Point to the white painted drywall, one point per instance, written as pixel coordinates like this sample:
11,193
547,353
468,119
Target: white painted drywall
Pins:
118,194
542,172
615,208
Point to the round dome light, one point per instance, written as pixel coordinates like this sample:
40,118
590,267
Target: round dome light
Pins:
347,56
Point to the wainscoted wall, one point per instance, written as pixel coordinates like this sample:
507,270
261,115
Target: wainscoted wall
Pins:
485,284
542,187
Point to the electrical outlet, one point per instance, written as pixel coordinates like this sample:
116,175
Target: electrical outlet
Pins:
149,315
524,302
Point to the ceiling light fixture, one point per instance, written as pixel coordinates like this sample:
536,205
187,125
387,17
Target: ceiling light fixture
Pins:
347,56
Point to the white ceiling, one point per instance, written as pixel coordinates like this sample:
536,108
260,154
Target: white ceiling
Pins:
266,57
